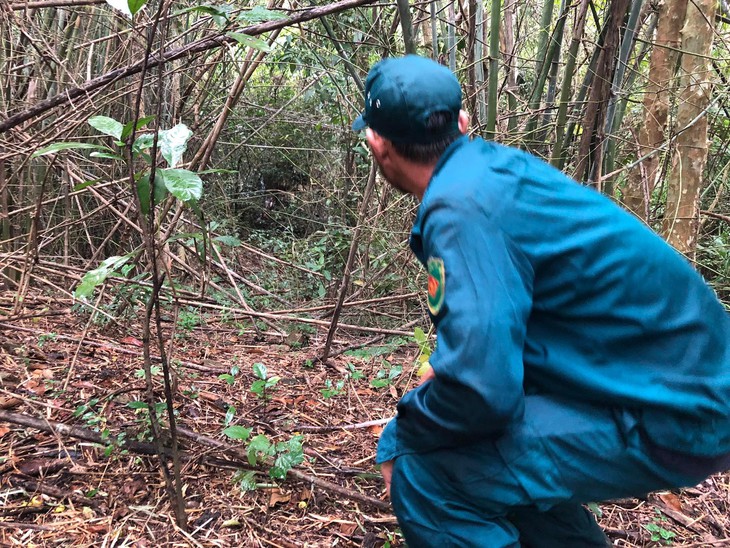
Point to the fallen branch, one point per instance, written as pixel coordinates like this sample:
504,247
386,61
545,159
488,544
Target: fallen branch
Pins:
366,424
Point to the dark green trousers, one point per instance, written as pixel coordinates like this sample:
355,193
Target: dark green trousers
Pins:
527,487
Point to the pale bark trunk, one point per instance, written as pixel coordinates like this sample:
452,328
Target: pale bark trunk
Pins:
643,177
681,219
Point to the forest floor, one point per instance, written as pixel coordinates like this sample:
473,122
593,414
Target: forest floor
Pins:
64,490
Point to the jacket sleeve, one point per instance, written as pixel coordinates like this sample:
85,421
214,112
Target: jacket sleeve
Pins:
481,325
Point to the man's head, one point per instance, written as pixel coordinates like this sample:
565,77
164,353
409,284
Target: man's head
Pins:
412,108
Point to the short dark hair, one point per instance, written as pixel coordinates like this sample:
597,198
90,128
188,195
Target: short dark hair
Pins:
429,152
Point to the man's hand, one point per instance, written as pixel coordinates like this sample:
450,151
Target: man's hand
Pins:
386,469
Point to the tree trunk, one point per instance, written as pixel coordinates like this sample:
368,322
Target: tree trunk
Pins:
643,177
681,219
591,143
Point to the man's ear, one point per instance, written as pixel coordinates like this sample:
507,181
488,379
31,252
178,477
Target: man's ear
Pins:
463,121
378,145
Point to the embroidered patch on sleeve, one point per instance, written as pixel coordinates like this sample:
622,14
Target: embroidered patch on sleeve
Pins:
436,281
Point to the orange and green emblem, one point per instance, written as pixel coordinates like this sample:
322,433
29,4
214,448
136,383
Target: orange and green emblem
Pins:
436,281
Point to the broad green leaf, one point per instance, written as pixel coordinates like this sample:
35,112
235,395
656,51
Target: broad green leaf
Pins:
250,41
258,387
144,141
259,370
173,143
259,444
237,432
289,455
143,190
127,131
120,5
230,241
107,155
57,147
229,415
108,126
95,277
136,404
419,335
183,184
135,5
259,14
285,462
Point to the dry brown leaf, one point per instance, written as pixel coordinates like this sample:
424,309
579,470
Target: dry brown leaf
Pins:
347,529
132,341
277,496
9,402
4,430
671,500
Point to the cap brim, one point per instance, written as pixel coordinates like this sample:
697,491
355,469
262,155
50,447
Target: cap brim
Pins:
359,124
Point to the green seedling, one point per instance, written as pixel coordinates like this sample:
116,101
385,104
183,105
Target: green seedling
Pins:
386,376
263,386
332,389
230,378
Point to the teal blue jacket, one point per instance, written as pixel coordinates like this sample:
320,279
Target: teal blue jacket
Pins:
551,288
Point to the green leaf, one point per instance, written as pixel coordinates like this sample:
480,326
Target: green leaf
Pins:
247,481
83,185
259,14
135,5
250,41
136,404
237,432
173,143
108,126
95,277
143,190
259,444
58,147
143,142
230,413
258,387
230,241
182,183
127,131
289,455
419,335
259,370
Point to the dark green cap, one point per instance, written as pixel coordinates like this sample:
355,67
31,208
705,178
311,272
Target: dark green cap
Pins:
402,93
